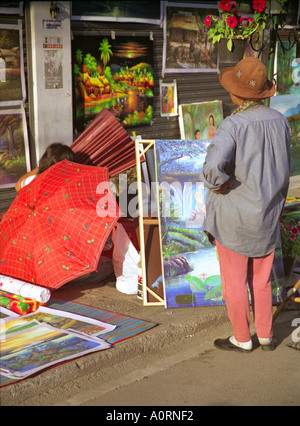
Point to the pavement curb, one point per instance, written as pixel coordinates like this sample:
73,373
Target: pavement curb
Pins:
152,340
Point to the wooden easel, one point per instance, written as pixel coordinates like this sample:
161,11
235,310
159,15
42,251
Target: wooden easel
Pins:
151,222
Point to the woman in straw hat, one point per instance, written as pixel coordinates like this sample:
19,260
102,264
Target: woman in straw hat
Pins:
247,169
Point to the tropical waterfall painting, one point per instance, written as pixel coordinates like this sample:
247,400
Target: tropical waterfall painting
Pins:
191,273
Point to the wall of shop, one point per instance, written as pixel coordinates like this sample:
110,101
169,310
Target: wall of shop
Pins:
191,87
50,77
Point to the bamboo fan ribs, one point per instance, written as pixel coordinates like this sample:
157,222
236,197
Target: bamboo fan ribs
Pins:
105,143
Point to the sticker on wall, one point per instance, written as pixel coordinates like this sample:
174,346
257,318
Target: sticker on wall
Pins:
53,73
116,74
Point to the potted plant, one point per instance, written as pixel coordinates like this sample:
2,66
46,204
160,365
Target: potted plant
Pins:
290,243
230,25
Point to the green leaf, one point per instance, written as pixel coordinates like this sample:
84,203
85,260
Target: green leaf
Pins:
214,294
229,45
195,283
213,281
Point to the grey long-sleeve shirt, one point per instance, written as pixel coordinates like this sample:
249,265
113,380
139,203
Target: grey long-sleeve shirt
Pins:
254,146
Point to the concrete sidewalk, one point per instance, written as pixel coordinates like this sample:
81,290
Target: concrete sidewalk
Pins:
173,325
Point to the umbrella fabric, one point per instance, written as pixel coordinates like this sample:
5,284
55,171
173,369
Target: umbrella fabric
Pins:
105,143
57,226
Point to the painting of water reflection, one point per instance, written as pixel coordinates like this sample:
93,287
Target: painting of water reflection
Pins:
191,272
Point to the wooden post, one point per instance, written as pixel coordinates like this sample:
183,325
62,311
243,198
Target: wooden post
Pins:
145,221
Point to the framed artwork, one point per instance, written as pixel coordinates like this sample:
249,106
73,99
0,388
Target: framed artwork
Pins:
116,74
12,77
287,69
200,120
190,267
186,46
168,99
191,272
11,7
14,148
289,105
143,11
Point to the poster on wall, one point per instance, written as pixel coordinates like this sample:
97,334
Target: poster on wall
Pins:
191,273
143,11
168,99
289,105
53,74
186,46
200,120
12,77
53,62
114,74
14,148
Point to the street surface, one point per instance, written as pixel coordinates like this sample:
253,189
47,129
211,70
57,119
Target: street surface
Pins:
188,373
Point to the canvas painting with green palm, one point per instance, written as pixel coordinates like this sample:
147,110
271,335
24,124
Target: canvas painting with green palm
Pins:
114,74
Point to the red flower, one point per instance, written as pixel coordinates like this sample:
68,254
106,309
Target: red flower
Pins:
225,5
294,230
239,18
249,20
259,5
232,21
208,21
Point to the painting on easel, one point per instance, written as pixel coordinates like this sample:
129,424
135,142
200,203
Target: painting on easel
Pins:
190,266
191,273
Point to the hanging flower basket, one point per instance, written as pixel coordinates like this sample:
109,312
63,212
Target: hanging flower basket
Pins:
229,24
231,56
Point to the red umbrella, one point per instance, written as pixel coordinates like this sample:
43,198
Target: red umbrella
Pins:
57,226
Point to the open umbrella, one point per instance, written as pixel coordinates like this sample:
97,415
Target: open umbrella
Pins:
57,226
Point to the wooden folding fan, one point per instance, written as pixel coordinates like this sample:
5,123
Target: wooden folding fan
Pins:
105,143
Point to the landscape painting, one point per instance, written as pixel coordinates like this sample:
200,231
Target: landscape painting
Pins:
289,105
114,74
191,273
12,79
143,11
14,148
186,46
190,266
39,346
288,69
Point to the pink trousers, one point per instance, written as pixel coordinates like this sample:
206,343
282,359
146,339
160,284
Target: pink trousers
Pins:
236,272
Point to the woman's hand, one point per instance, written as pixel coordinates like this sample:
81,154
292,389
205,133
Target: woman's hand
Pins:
224,187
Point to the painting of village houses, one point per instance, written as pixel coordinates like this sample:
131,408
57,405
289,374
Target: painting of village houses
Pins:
12,85
14,148
186,46
113,74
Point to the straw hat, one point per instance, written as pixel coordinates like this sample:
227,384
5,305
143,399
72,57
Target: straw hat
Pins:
248,80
